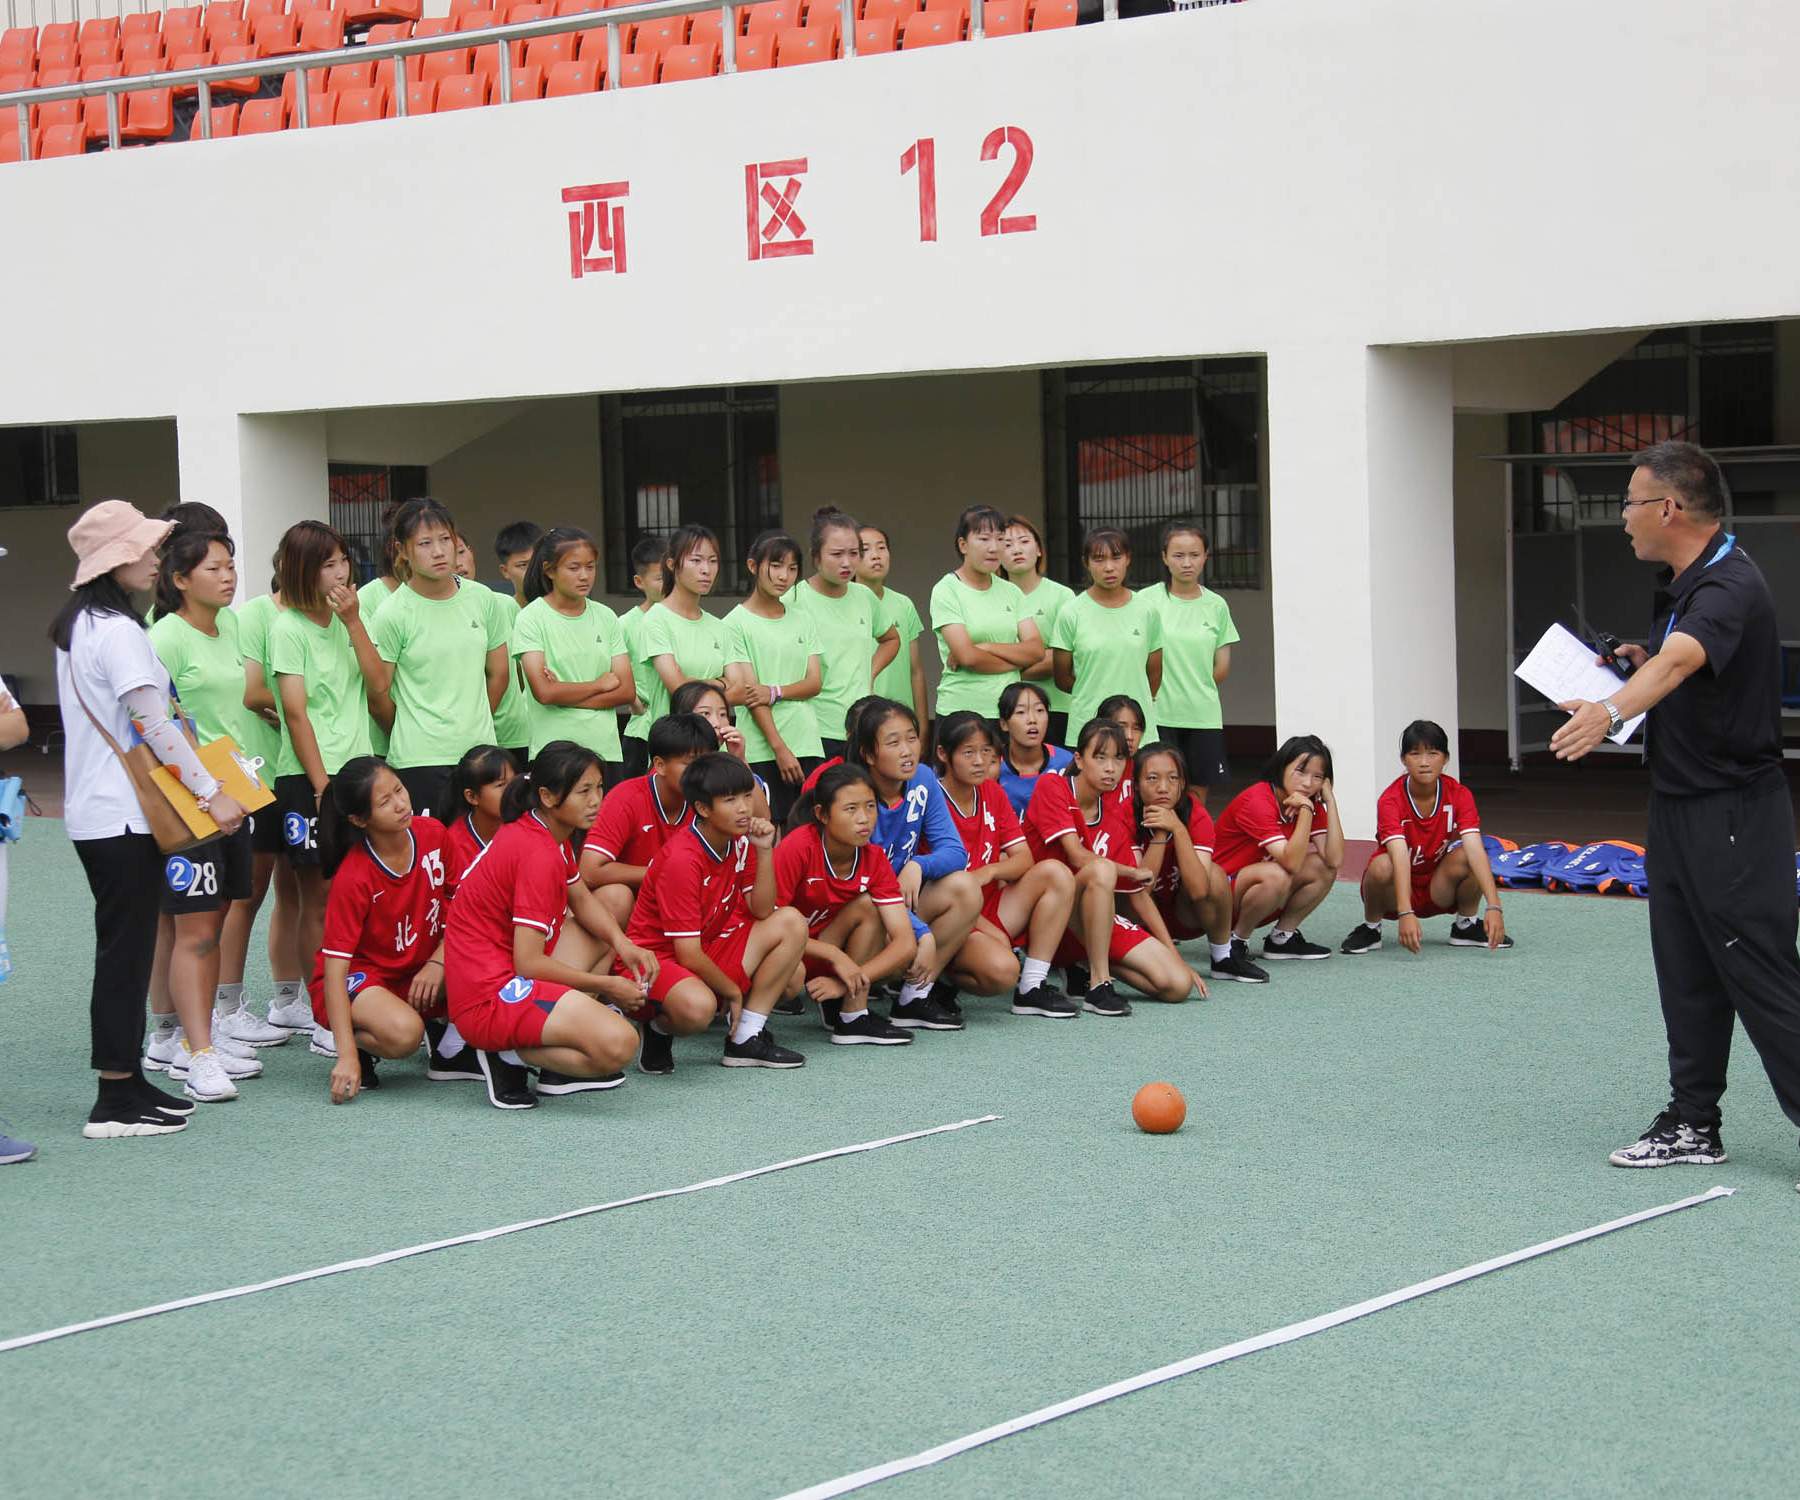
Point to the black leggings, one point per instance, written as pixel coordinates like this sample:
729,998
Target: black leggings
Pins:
125,874
1204,752
782,794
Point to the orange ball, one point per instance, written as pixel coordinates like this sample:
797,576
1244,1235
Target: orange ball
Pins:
1159,1109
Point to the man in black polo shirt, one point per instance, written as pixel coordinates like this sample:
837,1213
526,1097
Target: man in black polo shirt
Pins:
1722,910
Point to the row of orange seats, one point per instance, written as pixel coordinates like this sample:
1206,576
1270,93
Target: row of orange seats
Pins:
115,38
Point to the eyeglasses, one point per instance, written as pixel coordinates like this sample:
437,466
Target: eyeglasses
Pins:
1625,505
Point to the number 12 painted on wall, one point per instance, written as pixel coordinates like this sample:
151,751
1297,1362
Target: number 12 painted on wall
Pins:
921,156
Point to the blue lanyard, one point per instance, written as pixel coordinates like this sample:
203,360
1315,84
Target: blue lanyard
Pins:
1725,547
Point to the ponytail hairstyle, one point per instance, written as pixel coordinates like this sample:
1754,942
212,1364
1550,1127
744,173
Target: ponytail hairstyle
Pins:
1013,691
688,539
556,770
387,562
305,548
950,733
549,551
772,547
1147,753
815,806
184,550
1100,732
350,795
827,519
1296,747
860,751
479,767
413,515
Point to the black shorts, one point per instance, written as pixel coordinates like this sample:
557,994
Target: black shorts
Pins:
1204,752
1058,732
834,749
612,772
296,812
782,794
425,786
265,829
636,755
208,876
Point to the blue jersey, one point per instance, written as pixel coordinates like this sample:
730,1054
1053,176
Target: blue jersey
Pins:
1017,785
921,812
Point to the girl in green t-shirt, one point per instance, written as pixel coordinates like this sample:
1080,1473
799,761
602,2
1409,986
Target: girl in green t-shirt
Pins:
771,656
902,679
371,596
984,637
1044,600
1198,633
570,650
646,578
855,643
681,641
1107,639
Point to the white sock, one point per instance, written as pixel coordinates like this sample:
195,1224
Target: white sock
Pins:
1282,934
911,992
287,991
1220,951
660,1026
1032,973
512,1057
160,1024
848,1016
452,1044
749,1024
227,998
1372,922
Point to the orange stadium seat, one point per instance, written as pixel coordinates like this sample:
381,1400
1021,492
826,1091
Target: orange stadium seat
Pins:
755,52
888,10
261,116
189,60
249,83
63,55
518,13
527,83
547,51
19,44
1051,15
692,60
179,39
142,68
99,26
931,28
229,34
224,122
99,46
800,45
181,18
1004,17
379,12
434,26
275,36
140,21
59,34
392,31
476,19
771,16
16,83
357,105
232,9
437,65
460,8
321,109
255,10
350,76
149,115
62,140
470,91
9,146
875,36
704,27
57,112
93,109
322,31
222,20
593,44
301,9
578,7
637,69
421,97
825,17
566,78
659,36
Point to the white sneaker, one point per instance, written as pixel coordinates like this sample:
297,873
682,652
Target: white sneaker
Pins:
324,1044
161,1049
234,1067
244,1025
294,1015
230,1046
206,1077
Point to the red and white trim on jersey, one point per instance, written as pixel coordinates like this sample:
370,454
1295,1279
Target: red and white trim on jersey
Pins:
572,873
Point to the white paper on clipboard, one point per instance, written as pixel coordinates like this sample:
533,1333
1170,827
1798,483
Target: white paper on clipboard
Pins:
1561,666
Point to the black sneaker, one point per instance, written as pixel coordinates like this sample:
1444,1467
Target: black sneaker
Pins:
508,1084
1239,966
1365,937
1471,932
121,1113
549,1081
463,1068
868,1029
1047,1001
945,993
1103,1000
792,1005
761,1051
1294,945
1670,1142
657,1054
923,1014
366,1060
1079,979
170,1104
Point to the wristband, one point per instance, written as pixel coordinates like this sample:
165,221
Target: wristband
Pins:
1409,912
774,694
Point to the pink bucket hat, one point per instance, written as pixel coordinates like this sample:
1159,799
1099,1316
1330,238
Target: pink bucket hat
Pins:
111,534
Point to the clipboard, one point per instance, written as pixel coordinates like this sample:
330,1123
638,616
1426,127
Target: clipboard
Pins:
239,778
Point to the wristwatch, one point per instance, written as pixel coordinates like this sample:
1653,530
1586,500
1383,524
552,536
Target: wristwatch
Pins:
1613,714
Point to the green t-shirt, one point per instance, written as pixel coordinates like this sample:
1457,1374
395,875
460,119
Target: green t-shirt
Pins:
1111,648
895,679
337,705
514,724
439,649
990,614
369,598
577,648
631,625
777,651
846,629
208,675
254,618
698,647
1192,630
1043,604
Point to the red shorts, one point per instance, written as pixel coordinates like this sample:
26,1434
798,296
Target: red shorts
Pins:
727,951
499,1014
1422,904
1126,935
1179,927
990,908
361,978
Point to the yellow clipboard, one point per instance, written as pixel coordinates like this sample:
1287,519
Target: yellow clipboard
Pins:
237,775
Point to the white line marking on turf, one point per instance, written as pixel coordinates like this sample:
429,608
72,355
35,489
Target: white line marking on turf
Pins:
387,1257
1287,1335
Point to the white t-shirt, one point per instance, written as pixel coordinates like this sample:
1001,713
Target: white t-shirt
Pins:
110,655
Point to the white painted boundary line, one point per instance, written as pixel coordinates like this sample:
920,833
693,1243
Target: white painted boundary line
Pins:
387,1257
1219,1356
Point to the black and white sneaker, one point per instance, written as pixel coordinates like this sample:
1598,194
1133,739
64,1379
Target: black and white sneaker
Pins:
1103,1000
657,1053
1047,1001
1078,978
1294,945
549,1081
945,993
508,1083
923,1014
1365,937
792,1005
366,1061
761,1051
868,1030
1471,932
1671,1142
463,1068
115,1118
149,1094
1239,966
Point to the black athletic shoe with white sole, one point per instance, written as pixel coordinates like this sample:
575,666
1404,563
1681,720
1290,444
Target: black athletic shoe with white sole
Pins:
1047,1001
657,1053
1471,932
508,1084
1103,1000
366,1061
868,1030
118,1118
149,1094
1365,937
792,1005
1239,966
945,993
463,1068
923,1014
549,1081
1079,979
1670,1142
1294,945
761,1051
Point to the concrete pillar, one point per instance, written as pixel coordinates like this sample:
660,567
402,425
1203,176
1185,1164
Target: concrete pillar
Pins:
1362,557
263,473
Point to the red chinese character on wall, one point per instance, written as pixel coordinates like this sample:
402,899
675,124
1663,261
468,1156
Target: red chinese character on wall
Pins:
783,231
596,228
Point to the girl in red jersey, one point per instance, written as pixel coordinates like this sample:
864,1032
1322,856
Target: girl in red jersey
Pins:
470,811
857,932
380,972
1022,898
1175,832
1075,817
509,995
1280,844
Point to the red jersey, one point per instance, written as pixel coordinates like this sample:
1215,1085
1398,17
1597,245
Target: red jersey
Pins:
1200,830
632,826
691,891
1429,834
386,922
991,829
1054,811
462,847
521,880
1251,822
805,880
